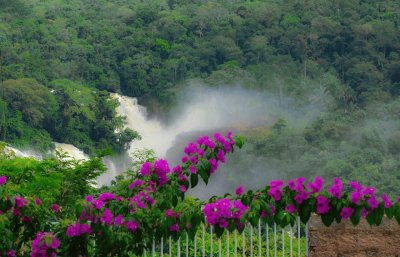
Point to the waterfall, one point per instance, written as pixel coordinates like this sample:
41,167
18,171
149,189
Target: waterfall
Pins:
23,153
72,151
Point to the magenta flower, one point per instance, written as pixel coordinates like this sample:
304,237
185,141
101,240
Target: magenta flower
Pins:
346,212
182,188
132,225
386,201
169,213
239,191
292,184
107,196
107,217
38,201
373,202
275,190
223,223
89,198
301,197
145,169
26,219
3,180
263,214
317,185
136,183
193,159
336,189
355,185
291,208
369,191
56,207
191,148
20,202
221,155
182,177
11,253
214,165
98,204
364,213
177,169
322,205
355,197
185,159
118,220
192,169
43,243
174,227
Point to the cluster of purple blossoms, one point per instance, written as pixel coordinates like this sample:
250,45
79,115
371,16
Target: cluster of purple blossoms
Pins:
20,202
298,186
317,185
336,189
78,229
239,191
223,210
196,150
360,193
171,214
44,245
275,190
386,201
322,205
346,212
291,208
3,180
160,168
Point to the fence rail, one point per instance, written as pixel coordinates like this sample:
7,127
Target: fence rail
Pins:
260,241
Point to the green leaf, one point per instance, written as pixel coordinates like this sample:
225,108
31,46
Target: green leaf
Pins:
174,200
328,218
239,141
305,213
397,213
379,212
356,217
219,231
389,212
194,179
370,219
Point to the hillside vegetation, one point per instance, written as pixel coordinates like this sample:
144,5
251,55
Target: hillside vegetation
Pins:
59,59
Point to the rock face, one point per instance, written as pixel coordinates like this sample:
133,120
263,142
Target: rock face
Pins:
346,240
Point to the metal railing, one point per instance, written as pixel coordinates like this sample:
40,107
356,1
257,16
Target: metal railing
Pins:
262,240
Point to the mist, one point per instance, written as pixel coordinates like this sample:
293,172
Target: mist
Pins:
202,109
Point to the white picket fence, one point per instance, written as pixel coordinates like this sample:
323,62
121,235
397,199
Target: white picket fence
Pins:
260,241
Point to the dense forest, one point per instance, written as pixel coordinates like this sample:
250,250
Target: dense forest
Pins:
60,59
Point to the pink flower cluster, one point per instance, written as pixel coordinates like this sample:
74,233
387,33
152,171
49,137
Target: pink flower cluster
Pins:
336,189
317,185
298,186
275,190
78,229
196,150
171,214
323,205
3,180
44,245
346,212
223,210
160,169
361,193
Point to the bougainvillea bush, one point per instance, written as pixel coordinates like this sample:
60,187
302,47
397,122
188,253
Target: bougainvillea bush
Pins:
153,205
